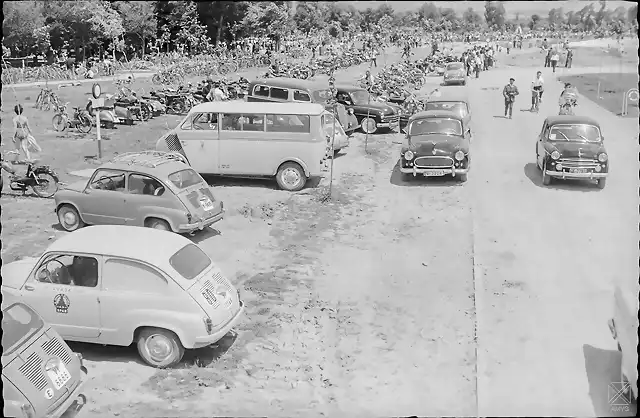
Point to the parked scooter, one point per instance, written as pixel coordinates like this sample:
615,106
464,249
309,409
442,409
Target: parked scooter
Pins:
80,120
112,114
41,179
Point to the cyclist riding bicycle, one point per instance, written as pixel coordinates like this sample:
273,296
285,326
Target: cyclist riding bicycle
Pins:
537,88
569,95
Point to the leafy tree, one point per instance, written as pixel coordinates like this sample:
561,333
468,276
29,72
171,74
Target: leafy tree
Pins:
106,23
494,14
267,18
192,33
222,18
533,22
21,22
138,20
309,16
429,11
471,19
632,16
556,18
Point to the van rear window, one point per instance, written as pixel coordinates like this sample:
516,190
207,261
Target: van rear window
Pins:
190,261
19,323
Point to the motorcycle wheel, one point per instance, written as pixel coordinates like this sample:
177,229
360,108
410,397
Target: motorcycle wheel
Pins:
145,113
48,186
59,122
84,124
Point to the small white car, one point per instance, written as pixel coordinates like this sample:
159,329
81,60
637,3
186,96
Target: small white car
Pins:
114,284
624,329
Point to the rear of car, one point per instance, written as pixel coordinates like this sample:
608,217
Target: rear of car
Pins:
203,209
455,74
624,329
212,291
41,376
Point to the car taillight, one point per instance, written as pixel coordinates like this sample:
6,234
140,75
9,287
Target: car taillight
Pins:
208,324
27,410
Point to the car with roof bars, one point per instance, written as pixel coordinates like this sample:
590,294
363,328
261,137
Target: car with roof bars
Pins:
436,144
572,147
41,376
148,188
118,285
454,100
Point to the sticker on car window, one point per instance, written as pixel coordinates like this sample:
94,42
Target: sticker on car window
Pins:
552,137
62,303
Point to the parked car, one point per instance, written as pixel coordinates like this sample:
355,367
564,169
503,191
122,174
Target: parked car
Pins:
455,73
371,113
624,329
453,100
437,143
117,285
149,188
41,376
572,147
283,89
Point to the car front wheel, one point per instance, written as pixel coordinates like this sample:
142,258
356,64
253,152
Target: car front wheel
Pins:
69,218
546,179
462,177
159,347
602,183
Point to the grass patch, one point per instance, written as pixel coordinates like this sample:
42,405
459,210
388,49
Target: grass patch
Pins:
612,89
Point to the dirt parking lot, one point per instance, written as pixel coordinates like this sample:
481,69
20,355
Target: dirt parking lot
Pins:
426,297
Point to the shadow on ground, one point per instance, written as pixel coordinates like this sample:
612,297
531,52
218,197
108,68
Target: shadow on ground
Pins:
534,174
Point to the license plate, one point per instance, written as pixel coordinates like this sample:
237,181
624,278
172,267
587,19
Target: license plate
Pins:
433,173
206,204
59,376
578,170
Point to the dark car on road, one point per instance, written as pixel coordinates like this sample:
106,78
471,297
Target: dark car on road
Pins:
455,73
437,144
572,147
452,99
371,113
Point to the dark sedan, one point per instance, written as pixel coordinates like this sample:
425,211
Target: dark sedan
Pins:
437,144
572,147
371,113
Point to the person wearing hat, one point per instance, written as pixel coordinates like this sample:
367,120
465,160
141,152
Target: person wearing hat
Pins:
509,92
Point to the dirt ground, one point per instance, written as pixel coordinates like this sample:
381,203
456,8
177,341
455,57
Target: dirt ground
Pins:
428,297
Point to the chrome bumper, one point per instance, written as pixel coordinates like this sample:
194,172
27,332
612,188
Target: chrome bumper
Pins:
447,171
221,332
200,225
565,175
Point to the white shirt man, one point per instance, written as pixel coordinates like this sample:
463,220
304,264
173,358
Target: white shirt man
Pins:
216,94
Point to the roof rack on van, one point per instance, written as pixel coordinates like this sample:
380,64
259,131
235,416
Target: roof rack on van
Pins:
148,158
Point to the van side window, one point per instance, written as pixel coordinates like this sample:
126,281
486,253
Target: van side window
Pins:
261,91
230,122
132,276
252,122
301,96
289,123
205,121
280,94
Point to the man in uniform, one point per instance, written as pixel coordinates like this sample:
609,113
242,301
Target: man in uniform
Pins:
509,92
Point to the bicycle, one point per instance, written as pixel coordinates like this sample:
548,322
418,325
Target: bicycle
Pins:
81,119
535,100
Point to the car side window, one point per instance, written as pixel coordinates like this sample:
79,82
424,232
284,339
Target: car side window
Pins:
109,180
261,91
71,270
252,122
280,94
301,96
145,185
230,122
132,276
205,121
344,98
545,132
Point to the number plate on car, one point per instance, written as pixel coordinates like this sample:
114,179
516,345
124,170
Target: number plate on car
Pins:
59,375
206,203
578,170
433,173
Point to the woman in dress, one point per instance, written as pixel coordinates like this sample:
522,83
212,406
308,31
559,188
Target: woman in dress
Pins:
23,136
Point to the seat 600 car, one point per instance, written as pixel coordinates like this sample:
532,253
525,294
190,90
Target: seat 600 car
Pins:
436,144
41,376
572,147
150,188
455,73
113,284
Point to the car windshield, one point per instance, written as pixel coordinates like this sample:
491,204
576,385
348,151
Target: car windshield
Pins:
361,97
190,261
577,132
459,108
185,178
442,126
455,66
19,323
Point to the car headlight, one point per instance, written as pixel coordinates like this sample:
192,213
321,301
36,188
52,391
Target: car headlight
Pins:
459,155
555,155
408,155
603,157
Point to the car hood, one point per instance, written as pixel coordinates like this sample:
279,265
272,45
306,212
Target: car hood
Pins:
15,274
577,149
383,107
438,144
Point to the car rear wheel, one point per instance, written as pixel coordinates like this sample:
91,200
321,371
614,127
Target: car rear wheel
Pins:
602,183
369,126
159,347
69,218
291,177
158,224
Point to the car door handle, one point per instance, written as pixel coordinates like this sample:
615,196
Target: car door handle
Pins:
29,287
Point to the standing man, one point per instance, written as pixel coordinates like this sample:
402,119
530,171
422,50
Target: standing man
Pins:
567,63
555,57
547,58
509,92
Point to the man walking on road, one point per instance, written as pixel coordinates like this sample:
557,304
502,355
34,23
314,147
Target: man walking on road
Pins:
555,57
510,92
567,63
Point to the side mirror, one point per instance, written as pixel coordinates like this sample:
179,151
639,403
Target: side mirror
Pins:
602,138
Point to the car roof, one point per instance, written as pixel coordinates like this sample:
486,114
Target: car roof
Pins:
157,163
240,106
435,114
348,87
122,241
571,119
454,94
291,83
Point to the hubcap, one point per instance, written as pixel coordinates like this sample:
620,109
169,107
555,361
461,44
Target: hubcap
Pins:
370,125
69,218
159,347
160,225
290,177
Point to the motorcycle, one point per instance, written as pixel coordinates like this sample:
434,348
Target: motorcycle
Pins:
80,120
41,179
112,113
567,108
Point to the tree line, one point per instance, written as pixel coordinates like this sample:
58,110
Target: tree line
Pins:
37,27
